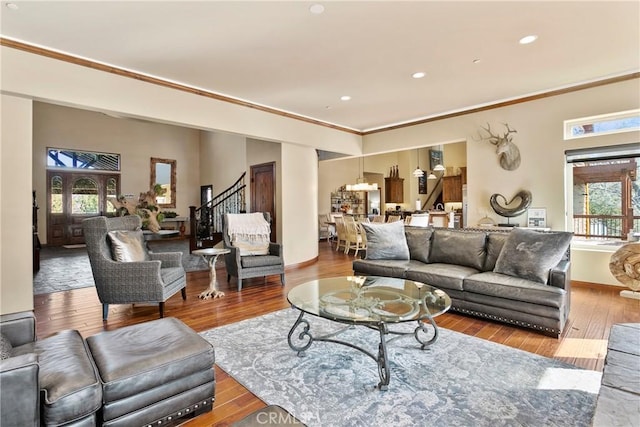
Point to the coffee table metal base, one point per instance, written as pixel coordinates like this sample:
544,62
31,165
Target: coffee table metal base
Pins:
304,339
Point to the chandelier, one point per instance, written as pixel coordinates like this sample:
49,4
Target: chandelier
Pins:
360,184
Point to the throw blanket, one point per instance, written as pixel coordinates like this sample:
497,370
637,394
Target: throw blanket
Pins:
249,233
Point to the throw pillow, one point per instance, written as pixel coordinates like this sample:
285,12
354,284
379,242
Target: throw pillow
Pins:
419,242
530,254
386,240
458,247
495,242
128,246
5,347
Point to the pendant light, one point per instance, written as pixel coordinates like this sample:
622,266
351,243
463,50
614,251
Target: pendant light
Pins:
418,172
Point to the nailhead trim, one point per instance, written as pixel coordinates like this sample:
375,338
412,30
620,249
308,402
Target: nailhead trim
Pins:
182,412
506,320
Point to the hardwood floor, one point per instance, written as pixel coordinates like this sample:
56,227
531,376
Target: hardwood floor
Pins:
594,309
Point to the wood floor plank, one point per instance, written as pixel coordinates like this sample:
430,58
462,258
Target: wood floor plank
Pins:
594,309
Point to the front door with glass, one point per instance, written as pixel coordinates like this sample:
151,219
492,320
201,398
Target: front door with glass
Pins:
74,196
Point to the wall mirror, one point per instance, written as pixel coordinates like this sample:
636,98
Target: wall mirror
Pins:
163,172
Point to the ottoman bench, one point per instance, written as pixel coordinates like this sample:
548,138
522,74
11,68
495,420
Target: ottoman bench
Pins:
153,373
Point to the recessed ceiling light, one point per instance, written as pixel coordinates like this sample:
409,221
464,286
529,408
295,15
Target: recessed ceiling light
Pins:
316,9
12,6
345,98
418,75
528,39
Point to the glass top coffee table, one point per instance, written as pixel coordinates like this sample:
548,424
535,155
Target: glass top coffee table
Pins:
377,303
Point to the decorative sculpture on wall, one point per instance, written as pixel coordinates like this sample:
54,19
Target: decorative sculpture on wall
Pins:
625,267
508,212
507,151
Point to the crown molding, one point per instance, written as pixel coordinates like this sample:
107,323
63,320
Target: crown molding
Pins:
200,92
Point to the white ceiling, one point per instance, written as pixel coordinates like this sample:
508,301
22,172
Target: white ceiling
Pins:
279,55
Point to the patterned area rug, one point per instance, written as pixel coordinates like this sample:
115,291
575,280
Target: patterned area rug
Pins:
65,269
458,381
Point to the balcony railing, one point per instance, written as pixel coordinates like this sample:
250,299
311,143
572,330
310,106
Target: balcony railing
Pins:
603,226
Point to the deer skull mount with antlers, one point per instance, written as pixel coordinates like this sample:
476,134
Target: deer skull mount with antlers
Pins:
508,153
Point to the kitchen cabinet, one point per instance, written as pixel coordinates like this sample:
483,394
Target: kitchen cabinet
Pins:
452,189
394,190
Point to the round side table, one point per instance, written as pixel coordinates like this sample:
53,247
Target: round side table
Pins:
212,255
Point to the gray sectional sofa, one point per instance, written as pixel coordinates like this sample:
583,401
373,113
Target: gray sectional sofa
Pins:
517,276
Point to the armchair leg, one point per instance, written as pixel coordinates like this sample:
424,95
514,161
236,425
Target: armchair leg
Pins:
282,279
184,293
161,307
228,278
105,311
239,284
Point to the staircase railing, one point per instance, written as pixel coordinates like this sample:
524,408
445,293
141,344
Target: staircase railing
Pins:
206,221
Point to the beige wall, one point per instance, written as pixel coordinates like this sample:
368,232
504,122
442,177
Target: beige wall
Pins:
223,158
300,203
539,138
16,266
38,77
136,141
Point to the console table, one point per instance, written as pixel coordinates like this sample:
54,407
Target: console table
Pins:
177,222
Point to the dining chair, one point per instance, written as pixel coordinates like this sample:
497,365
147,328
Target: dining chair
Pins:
323,227
378,218
394,218
354,239
341,237
419,220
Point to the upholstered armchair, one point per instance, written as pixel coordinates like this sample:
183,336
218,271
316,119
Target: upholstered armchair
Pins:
244,263
124,271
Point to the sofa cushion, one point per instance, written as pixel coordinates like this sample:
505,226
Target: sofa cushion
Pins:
530,254
171,274
386,240
495,242
445,276
514,288
250,261
386,268
128,246
68,380
458,247
419,242
5,347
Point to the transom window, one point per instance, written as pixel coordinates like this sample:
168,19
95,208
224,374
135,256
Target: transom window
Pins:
625,121
72,159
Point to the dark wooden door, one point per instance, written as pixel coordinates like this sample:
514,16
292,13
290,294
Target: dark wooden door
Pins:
74,196
263,194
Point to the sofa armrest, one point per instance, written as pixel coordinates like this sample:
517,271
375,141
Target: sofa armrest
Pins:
20,397
560,275
19,328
